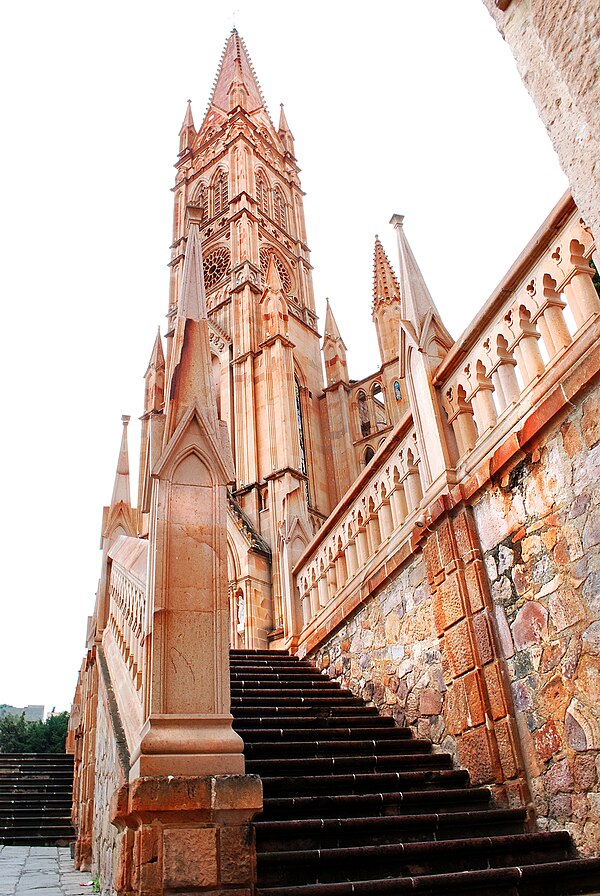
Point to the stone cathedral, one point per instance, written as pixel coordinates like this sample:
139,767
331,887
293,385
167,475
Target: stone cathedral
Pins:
351,629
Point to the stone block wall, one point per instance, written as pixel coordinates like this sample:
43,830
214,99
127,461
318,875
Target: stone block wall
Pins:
556,47
540,534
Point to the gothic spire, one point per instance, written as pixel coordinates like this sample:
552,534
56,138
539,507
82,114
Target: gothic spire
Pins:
235,66
121,487
385,285
418,309
188,131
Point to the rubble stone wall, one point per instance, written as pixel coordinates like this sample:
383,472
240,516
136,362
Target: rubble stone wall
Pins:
540,534
388,653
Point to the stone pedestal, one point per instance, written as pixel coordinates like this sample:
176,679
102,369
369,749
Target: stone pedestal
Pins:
187,834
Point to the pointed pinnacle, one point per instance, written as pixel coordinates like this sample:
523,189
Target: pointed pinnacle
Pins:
192,296
188,120
283,125
157,358
121,486
331,328
272,277
385,284
416,301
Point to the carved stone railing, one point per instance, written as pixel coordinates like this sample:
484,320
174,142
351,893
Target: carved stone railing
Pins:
539,322
124,636
525,337
372,520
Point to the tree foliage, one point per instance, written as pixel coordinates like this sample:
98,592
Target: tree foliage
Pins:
19,736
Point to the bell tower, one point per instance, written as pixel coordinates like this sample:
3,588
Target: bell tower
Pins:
240,176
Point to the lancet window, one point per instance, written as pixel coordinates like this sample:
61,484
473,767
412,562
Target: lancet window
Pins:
262,193
220,193
279,212
378,405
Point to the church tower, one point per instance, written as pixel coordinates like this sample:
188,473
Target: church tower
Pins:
239,176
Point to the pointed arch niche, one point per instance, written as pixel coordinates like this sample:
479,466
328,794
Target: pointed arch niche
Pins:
282,269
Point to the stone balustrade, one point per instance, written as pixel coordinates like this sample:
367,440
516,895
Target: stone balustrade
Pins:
534,328
379,509
497,371
127,608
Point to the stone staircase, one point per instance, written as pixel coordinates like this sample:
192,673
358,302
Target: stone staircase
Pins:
35,799
355,805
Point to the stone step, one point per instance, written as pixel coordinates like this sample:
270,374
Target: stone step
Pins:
341,783
412,859
318,833
389,803
35,799
353,804
544,879
331,748
297,723
322,765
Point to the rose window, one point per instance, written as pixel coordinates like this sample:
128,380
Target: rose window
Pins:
216,266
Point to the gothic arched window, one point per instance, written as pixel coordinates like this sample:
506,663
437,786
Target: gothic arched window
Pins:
220,193
262,193
364,418
378,405
279,212
369,455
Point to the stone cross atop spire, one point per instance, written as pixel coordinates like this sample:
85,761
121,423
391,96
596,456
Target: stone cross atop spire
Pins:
235,66
121,491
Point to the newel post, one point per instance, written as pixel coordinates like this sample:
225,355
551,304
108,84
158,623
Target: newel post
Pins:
186,813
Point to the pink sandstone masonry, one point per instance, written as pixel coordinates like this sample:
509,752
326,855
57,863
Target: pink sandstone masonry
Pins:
111,771
540,531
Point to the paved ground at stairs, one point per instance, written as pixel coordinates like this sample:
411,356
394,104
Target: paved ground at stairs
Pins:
44,870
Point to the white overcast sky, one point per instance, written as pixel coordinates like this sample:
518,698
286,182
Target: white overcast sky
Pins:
395,106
